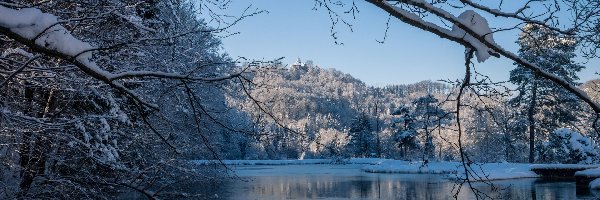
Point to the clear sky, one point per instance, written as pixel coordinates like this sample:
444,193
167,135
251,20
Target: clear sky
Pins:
292,29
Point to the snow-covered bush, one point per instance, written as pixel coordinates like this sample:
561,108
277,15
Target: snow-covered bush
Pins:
567,146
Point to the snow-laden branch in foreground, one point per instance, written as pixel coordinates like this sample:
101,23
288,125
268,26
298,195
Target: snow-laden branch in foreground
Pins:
33,24
470,20
477,39
43,33
133,74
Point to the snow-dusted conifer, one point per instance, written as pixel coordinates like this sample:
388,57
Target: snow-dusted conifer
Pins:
543,101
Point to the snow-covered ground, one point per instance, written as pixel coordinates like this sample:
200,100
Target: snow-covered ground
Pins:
595,172
486,171
405,167
265,162
595,184
499,171
477,171
369,161
563,166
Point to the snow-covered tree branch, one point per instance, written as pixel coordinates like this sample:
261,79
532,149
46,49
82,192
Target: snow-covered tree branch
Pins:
91,92
472,24
42,33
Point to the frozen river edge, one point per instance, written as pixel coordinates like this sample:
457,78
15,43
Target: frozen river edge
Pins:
478,171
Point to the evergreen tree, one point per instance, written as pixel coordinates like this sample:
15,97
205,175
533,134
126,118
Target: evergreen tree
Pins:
542,100
405,135
362,137
429,116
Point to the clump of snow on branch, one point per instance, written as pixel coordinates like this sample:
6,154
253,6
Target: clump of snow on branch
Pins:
136,21
17,51
480,26
31,23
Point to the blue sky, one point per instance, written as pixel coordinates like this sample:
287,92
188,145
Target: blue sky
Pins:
292,29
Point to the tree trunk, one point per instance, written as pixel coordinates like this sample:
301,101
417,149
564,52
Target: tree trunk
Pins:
25,147
531,119
26,175
33,158
377,130
34,145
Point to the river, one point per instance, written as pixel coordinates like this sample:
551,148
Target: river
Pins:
349,182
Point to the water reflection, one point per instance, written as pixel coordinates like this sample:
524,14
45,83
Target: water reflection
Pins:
333,182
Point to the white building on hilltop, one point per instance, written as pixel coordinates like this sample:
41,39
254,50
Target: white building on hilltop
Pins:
298,63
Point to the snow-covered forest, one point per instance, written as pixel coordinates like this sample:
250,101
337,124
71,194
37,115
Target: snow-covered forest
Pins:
103,98
304,111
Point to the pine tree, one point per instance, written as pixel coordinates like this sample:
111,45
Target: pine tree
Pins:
405,135
362,137
429,116
542,100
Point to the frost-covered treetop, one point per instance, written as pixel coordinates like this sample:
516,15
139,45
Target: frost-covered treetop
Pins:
542,37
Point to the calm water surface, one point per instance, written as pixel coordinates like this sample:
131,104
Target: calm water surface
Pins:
349,182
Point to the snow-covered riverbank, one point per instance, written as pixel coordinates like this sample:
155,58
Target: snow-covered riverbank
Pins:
484,171
368,161
452,170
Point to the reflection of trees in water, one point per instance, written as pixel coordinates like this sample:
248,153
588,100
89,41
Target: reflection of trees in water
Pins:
552,189
537,189
342,187
391,186
385,186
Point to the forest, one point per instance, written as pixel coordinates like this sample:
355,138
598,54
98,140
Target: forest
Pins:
103,98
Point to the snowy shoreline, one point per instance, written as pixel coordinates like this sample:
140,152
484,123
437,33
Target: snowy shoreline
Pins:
478,171
486,171
368,161
451,169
